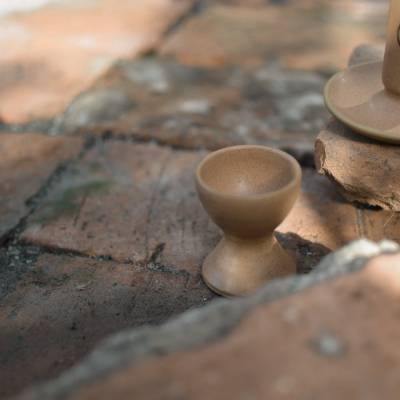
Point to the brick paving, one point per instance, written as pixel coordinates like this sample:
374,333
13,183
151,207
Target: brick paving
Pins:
130,202
306,38
197,107
51,54
100,225
27,161
62,306
303,346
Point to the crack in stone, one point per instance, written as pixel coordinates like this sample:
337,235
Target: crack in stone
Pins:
155,266
200,326
13,266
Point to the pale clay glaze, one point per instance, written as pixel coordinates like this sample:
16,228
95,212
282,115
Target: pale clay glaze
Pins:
247,191
366,97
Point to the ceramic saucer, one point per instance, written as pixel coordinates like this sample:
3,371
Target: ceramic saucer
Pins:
357,97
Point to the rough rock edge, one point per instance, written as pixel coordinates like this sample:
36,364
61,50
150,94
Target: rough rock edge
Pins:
361,54
201,326
349,192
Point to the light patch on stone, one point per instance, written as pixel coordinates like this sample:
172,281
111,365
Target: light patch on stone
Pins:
286,384
159,87
366,248
98,65
144,72
201,107
84,41
14,31
294,108
385,273
96,105
34,228
17,6
329,345
290,315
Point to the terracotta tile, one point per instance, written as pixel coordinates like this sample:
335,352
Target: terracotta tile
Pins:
356,165
193,107
129,202
50,55
322,216
119,202
337,340
356,7
26,162
315,37
63,306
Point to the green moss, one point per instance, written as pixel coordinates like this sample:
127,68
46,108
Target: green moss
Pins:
71,201
39,278
95,166
84,275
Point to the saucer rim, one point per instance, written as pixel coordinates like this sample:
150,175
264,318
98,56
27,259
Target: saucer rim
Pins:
375,134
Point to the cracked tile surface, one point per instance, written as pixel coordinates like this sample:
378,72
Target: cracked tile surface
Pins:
63,306
26,162
193,107
138,203
128,201
51,54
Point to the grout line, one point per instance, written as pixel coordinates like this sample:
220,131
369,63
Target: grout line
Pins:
197,7
306,159
15,259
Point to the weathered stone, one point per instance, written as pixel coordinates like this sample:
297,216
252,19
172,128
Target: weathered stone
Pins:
129,202
223,35
118,202
96,105
208,339
63,306
203,108
364,170
26,162
360,312
14,261
50,55
356,7
323,217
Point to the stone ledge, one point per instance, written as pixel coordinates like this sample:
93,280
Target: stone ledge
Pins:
364,170
200,327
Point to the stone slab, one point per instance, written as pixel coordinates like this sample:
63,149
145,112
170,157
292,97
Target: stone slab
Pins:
130,202
364,170
342,334
356,7
26,162
62,307
152,98
218,323
223,35
322,216
51,54
138,203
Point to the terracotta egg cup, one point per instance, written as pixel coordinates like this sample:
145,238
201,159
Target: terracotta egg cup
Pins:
366,97
247,191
